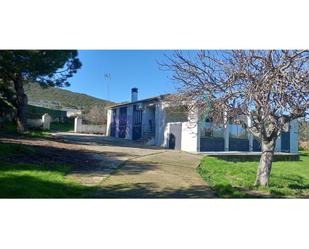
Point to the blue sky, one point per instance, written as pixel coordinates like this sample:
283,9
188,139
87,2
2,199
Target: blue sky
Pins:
127,68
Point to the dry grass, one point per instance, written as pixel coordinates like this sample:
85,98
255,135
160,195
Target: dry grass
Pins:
304,145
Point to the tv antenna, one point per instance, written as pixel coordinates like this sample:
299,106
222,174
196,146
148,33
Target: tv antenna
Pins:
107,77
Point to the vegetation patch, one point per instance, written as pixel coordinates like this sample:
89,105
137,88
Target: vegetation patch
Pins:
64,127
14,149
39,181
236,179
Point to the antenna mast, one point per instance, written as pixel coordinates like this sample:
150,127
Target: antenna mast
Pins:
107,77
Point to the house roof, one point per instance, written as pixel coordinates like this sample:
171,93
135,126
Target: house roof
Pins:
157,98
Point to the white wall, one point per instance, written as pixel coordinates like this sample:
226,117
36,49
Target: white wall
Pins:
117,122
190,139
160,117
46,121
34,123
108,122
79,127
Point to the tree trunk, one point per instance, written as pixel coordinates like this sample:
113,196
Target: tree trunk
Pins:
21,106
263,172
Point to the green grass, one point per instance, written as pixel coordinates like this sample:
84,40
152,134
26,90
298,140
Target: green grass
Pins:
10,128
24,180
65,127
236,179
39,181
36,134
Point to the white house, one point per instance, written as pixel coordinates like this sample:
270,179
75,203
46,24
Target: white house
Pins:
156,121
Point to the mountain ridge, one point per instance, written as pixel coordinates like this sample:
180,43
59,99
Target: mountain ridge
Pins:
63,99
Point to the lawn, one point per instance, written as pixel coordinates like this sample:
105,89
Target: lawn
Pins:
10,128
289,179
20,180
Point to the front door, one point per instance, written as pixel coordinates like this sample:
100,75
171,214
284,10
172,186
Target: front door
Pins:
122,122
174,139
113,124
137,123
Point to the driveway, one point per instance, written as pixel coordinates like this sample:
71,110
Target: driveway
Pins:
130,170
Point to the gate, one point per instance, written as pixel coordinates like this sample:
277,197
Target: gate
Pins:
238,144
211,144
122,122
174,139
137,123
113,124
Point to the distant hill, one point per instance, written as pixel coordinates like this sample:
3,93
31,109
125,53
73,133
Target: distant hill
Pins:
61,99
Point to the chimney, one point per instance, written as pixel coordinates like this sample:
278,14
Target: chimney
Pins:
134,94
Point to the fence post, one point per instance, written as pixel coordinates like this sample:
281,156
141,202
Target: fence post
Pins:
46,121
226,132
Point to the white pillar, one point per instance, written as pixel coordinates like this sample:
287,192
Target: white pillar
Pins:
294,136
77,124
250,135
226,133
129,122
157,123
160,124
108,122
46,121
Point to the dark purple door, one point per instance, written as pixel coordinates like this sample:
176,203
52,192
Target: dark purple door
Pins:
137,123
122,122
113,124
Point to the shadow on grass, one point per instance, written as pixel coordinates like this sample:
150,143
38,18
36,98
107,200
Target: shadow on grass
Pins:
12,186
32,187
149,190
49,182
83,161
32,167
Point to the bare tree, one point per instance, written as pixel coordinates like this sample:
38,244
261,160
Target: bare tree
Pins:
271,87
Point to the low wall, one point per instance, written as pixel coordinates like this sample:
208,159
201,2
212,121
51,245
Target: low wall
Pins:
79,127
100,129
42,123
34,123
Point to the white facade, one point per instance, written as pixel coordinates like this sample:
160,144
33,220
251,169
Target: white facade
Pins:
155,128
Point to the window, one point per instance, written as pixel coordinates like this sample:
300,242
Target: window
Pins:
236,131
210,129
